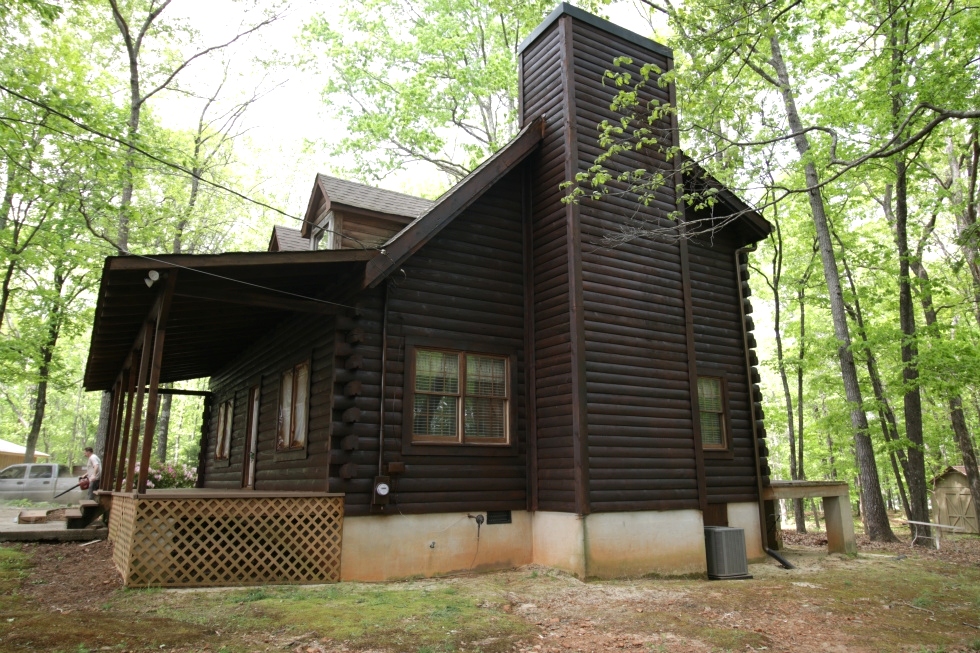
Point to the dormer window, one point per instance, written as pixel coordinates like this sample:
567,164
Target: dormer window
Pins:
326,233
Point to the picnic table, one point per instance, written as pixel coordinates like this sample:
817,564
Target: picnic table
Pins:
915,527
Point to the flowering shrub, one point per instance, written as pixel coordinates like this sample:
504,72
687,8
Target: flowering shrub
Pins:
169,476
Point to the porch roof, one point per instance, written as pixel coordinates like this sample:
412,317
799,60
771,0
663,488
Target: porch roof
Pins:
221,304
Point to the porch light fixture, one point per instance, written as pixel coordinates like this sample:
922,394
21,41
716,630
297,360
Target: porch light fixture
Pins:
151,278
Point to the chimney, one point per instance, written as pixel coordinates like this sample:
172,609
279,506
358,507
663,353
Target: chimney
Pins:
601,316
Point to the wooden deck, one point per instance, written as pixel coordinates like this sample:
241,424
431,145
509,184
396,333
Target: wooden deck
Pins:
836,506
206,538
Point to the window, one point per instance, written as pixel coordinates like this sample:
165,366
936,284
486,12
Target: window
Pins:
294,390
460,397
326,234
40,471
711,403
225,417
13,472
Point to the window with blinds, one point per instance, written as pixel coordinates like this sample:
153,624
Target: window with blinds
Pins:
460,397
711,404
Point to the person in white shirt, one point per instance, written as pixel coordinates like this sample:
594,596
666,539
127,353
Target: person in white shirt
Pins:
93,471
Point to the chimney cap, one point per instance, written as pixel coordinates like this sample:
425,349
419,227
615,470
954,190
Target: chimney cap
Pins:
599,23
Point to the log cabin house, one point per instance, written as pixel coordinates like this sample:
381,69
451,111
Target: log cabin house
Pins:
546,398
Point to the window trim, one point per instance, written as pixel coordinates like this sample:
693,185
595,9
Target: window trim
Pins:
444,447
327,232
225,431
253,414
726,449
293,450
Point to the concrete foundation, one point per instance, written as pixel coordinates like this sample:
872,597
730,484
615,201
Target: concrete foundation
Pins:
603,545
398,546
559,541
638,543
746,516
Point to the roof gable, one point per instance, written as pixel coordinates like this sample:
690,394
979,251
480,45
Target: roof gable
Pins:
340,193
16,449
285,239
410,239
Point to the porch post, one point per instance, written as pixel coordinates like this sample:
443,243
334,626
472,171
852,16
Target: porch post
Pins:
159,335
138,408
124,432
117,427
111,432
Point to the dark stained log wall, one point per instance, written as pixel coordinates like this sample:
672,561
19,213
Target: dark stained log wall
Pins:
640,412
542,96
613,412
641,440
290,343
464,289
721,352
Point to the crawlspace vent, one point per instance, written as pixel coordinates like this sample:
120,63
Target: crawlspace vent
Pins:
725,548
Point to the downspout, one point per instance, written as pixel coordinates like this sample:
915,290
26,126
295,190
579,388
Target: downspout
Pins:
755,421
384,376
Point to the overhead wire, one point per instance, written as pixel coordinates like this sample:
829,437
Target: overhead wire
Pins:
102,134
240,281
170,164
102,244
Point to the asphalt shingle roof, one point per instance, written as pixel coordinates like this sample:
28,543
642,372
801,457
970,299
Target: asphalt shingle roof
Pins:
341,191
290,240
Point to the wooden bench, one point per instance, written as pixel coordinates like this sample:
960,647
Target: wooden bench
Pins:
836,508
939,530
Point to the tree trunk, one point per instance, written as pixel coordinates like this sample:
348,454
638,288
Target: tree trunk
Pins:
798,512
955,404
44,369
918,501
102,430
878,528
912,397
830,456
965,444
886,416
777,265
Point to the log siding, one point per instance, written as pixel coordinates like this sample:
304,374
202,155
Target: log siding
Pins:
605,343
303,338
462,290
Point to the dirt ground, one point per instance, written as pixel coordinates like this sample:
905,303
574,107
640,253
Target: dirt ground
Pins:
68,597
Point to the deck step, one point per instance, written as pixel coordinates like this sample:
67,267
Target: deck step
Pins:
86,514
32,517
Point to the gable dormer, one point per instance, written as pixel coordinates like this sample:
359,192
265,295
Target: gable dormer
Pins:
347,215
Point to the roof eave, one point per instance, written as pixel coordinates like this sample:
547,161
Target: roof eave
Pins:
309,217
410,239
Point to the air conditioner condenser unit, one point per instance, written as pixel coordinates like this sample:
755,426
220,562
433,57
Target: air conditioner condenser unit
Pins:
725,549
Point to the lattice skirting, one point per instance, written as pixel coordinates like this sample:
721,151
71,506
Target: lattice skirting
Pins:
207,542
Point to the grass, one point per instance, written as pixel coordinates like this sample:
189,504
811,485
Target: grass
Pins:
397,616
14,566
918,605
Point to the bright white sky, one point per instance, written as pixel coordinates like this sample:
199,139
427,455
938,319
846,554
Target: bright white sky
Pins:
292,114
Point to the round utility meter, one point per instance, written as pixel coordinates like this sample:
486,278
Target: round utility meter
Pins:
382,489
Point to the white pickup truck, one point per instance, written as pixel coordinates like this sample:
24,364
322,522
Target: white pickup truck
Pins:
39,482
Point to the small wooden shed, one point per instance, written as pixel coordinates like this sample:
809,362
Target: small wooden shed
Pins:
13,454
952,503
